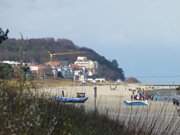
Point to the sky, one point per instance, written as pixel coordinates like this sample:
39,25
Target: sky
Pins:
143,35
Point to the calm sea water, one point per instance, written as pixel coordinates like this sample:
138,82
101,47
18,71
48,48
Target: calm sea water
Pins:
164,94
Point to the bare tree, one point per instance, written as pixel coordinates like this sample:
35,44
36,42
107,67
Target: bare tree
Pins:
3,35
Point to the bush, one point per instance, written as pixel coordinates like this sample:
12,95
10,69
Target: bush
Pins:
6,71
26,112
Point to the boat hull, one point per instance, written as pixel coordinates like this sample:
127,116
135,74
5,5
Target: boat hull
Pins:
72,100
136,103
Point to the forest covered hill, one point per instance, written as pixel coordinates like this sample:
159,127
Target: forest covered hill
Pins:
36,50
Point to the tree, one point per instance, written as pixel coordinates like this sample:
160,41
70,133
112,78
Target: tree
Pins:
3,35
6,71
132,80
25,72
115,63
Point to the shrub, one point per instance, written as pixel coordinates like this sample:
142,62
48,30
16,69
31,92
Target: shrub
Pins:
24,111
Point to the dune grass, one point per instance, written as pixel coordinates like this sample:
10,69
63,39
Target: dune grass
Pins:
24,111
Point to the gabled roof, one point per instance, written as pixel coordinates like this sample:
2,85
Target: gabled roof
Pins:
53,63
75,67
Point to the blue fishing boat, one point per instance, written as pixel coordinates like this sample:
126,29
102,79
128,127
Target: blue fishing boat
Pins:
136,102
71,99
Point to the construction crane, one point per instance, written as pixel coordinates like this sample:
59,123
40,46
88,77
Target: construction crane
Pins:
63,53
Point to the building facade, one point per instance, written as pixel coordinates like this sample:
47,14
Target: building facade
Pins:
89,65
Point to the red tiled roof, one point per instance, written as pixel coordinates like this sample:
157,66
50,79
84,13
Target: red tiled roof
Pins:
74,66
53,63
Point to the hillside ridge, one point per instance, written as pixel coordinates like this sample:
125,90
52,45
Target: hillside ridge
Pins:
36,50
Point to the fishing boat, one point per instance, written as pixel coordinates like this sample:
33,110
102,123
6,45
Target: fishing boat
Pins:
136,102
80,98
71,99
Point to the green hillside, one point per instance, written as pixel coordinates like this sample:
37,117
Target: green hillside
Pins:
36,50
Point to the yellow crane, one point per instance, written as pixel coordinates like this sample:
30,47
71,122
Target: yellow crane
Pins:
63,53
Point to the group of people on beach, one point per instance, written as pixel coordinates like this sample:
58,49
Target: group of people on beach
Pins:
139,95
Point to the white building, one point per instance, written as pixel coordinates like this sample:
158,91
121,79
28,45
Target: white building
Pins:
101,80
80,75
96,80
14,63
89,65
66,71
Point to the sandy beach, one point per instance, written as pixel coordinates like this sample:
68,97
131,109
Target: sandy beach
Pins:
110,102
108,98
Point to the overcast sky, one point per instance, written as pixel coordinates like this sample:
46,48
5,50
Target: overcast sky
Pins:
143,35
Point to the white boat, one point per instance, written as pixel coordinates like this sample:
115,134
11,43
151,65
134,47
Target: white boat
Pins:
136,102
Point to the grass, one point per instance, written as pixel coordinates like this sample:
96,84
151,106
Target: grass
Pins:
54,83
44,83
62,82
24,112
